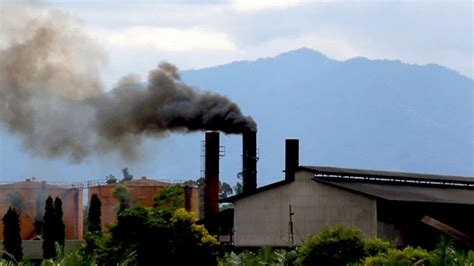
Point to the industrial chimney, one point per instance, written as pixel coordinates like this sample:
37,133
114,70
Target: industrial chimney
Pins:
291,158
211,175
249,161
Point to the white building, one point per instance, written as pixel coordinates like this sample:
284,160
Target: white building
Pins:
407,208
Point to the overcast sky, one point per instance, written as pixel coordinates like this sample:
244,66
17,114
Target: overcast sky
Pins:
196,34
137,35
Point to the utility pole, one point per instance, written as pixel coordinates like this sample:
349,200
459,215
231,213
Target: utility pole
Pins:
291,238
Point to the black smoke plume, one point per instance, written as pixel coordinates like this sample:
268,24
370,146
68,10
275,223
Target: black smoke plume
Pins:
52,96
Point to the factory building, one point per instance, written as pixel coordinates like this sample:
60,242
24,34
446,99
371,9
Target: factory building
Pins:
406,208
30,196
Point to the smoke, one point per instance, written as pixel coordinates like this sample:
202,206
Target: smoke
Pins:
52,96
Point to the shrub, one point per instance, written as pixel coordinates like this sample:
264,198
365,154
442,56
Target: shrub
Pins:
446,254
265,256
407,256
375,246
334,245
144,234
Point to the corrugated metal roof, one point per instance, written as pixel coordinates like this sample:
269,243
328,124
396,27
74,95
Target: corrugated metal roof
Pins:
410,193
395,176
395,186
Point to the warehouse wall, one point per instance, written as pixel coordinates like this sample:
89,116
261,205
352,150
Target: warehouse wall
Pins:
263,219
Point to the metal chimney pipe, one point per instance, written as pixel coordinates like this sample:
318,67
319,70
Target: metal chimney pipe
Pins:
249,161
211,174
291,158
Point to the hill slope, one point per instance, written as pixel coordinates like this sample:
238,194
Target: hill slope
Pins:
359,113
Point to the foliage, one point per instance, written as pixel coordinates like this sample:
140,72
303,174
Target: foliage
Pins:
198,183
335,245
53,227
59,227
126,175
122,194
74,257
407,256
169,197
238,188
48,229
143,234
93,216
265,256
375,246
225,190
446,254
110,179
11,234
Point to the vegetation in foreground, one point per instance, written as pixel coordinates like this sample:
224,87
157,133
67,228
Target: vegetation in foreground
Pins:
338,245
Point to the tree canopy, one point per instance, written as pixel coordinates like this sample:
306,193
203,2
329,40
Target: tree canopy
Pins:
11,234
53,227
93,216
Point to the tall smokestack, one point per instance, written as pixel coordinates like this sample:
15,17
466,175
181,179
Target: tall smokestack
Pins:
211,175
249,160
291,158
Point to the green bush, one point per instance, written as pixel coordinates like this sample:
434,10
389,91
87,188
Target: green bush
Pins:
265,256
169,197
334,245
375,246
146,234
407,256
446,254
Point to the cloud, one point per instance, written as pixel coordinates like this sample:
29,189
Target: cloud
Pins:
164,39
259,5
197,35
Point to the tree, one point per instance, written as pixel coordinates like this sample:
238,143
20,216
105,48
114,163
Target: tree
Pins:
238,188
49,250
225,190
93,217
126,175
53,227
122,194
110,179
199,183
11,234
172,236
169,197
59,227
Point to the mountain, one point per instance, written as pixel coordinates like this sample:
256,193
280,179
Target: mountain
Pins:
361,113
358,113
